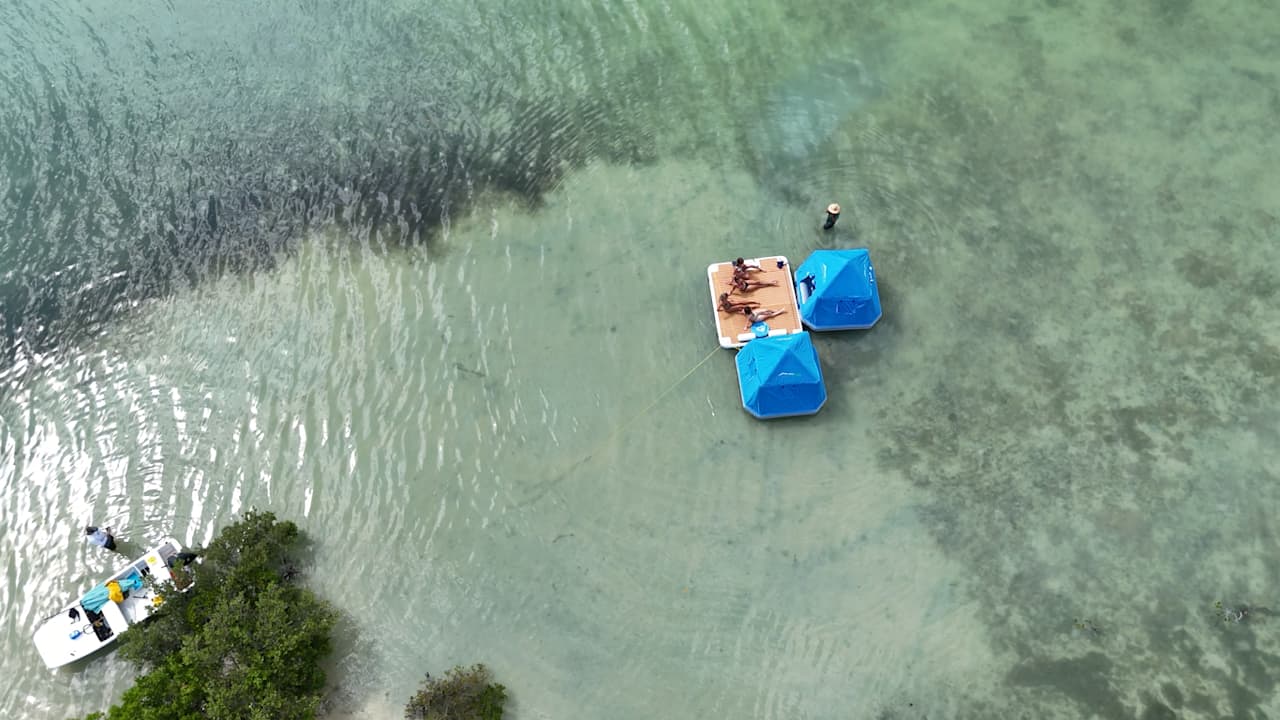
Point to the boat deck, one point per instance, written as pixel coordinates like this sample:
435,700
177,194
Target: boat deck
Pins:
61,639
733,329
139,604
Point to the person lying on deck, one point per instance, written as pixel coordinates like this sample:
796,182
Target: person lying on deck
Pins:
741,265
733,307
742,284
755,316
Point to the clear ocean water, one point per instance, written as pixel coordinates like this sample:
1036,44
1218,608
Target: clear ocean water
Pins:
428,279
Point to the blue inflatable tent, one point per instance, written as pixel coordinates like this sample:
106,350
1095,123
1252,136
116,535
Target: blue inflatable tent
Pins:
837,290
780,376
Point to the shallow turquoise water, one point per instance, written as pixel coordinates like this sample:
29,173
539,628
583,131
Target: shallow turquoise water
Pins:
416,276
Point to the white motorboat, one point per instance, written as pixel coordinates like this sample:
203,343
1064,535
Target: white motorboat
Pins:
97,618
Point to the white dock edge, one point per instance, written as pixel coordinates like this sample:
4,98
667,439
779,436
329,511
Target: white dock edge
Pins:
735,342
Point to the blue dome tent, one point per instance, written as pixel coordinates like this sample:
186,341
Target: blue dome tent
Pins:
780,376
837,290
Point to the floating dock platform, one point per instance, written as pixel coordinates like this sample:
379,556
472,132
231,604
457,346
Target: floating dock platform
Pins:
779,374
732,328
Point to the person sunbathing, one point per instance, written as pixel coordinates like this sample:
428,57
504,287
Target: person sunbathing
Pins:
756,316
742,284
742,273
733,307
741,265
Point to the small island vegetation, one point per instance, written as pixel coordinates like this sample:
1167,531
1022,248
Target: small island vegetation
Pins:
462,694
246,639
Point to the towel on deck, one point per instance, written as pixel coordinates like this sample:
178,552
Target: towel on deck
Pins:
132,582
99,595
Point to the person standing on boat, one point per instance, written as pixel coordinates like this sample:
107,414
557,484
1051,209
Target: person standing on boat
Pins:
186,558
102,538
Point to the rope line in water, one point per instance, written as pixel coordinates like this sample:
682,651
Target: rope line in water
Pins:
621,426
549,486
653,404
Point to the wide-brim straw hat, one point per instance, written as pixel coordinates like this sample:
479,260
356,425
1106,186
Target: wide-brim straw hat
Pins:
834,208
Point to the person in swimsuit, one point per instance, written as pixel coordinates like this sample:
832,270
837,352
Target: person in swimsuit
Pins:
742,284
755,316
733,307
742,271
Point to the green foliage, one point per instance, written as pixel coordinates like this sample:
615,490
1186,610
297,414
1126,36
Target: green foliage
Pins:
243,642
462,694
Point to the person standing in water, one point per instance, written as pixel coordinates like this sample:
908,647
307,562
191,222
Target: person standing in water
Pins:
100,537
833,214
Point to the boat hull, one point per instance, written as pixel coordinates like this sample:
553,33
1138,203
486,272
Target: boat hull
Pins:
69,636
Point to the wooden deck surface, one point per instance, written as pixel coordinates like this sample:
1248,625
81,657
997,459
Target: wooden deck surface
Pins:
781,297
